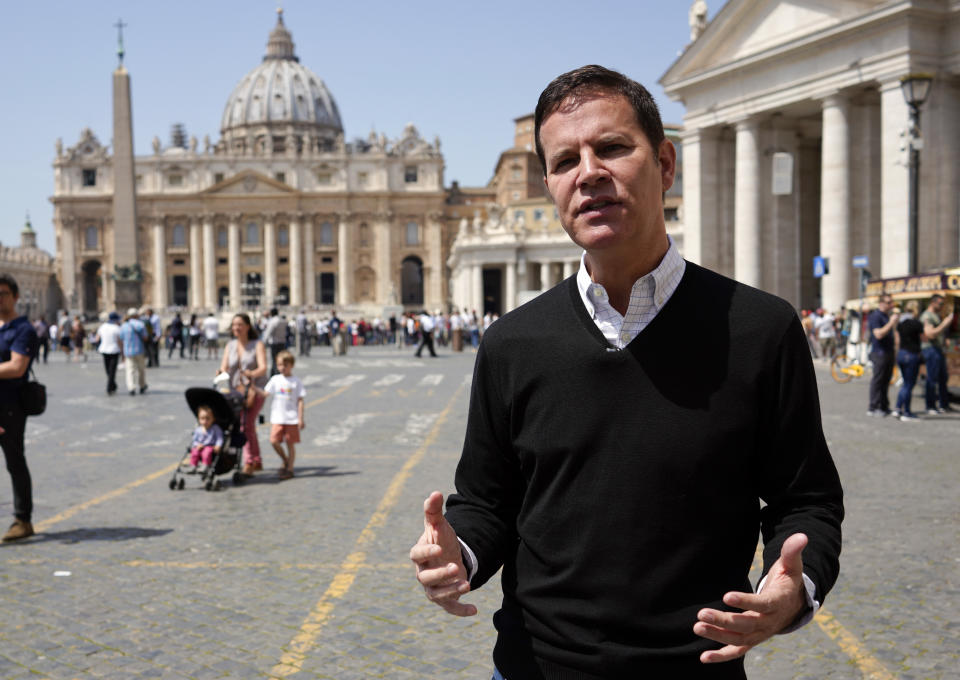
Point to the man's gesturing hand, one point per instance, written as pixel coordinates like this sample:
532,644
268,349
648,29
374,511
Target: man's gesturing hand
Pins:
439,564
764,614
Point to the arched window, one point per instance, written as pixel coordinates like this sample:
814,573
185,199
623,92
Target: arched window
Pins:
326,234
91,238
412,235
253,234
283,236
221,238
411,281
179,236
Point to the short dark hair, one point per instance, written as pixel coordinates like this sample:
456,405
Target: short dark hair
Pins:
936,296
11,283
593,80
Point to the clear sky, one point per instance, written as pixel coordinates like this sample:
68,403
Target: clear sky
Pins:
461,71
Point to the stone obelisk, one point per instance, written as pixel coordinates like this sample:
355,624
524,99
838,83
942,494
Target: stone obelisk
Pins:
126,273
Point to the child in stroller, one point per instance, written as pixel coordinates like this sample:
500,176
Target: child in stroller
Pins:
227,410
207,440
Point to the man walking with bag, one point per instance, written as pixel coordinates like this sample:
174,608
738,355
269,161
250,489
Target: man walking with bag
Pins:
18,348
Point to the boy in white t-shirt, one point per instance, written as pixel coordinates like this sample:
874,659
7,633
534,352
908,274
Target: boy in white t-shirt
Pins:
286,411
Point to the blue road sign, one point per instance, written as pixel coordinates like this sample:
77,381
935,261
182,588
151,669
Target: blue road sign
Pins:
821,266
861,261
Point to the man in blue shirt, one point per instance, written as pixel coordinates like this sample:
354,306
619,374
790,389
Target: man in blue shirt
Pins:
134,336
18,347
882,353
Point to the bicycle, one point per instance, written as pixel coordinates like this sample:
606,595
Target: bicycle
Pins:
844,369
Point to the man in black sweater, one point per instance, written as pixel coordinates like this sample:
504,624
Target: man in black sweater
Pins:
631,432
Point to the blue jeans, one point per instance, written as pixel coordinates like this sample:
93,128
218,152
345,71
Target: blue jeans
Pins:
936,377
909,363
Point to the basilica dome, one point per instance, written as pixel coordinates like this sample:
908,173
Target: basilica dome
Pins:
281,97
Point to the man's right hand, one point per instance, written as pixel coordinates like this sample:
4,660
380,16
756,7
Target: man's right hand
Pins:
438,560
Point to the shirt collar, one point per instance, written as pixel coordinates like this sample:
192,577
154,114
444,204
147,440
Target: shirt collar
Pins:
666,277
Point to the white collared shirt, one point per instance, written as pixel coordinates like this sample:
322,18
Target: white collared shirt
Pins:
647,297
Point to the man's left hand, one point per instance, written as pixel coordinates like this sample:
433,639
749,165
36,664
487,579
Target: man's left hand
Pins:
764,614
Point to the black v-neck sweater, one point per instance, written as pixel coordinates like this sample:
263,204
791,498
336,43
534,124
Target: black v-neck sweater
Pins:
621,490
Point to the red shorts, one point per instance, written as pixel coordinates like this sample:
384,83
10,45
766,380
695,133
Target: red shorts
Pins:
284,433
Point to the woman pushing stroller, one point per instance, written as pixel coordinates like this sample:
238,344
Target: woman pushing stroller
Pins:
245,361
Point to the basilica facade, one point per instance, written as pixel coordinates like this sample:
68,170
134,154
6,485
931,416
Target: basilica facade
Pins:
280,210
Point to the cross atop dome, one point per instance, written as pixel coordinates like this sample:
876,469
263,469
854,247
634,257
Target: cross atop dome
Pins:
280,43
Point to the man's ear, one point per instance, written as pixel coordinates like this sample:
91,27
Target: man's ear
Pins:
547,187
667,157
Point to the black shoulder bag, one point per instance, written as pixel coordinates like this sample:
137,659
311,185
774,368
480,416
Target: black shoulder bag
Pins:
33,396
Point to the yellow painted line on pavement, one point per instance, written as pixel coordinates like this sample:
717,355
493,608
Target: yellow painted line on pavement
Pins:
287,566
70,512
303,642
869,666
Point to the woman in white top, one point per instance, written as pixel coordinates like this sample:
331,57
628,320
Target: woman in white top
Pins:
108,337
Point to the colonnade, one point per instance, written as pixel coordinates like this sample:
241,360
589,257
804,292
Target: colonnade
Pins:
520,274
834,211
301,250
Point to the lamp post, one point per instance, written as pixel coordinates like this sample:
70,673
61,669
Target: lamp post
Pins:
915,88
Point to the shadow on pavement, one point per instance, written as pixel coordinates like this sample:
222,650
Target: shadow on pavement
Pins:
97,534
268,477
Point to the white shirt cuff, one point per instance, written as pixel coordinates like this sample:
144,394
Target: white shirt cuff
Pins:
469,559
810,590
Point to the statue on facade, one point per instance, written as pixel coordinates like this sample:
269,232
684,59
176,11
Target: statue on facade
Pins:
193,144
156,145
206,144
698,19
59,147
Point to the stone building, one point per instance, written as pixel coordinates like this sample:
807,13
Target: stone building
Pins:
516,248
794,135
33,270
281,209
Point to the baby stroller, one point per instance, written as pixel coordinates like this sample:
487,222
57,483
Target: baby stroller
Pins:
227,413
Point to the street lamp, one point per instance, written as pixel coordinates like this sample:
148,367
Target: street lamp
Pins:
915,87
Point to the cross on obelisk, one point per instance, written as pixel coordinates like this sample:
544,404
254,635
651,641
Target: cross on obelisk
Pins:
119,25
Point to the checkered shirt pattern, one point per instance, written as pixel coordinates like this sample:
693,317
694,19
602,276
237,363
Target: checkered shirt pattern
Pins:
647,297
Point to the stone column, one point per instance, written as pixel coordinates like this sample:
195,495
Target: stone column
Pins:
233,258
476,287
309,271
545,277
68,260
386,288
196,265
269,258
160,300
209,264
701,198
433,293
894,185
835,201
747,231
570,268
344,262
296,261
510,301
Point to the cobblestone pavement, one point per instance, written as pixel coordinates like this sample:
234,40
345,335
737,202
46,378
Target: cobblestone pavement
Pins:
309,578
